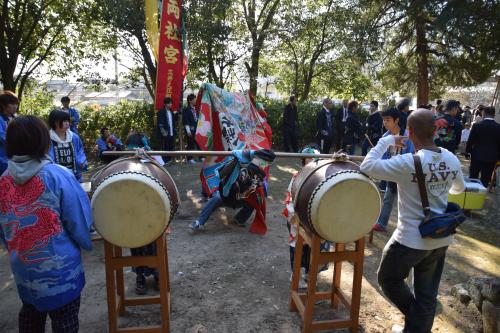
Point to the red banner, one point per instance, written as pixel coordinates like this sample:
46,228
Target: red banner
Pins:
170,64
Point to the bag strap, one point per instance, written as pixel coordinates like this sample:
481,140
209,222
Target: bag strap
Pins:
421,185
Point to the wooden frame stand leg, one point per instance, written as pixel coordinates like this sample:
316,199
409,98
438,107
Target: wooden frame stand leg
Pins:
303,302
115,286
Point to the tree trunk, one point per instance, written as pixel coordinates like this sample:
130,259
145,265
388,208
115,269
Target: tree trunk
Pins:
7,73
253,70
307,83
148,61
295,91
8,82
422,63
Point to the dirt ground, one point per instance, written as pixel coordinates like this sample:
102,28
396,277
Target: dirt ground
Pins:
225,279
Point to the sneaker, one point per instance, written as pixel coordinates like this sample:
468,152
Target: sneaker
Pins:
379,228
302,282
239,223
140,285
94,235
397,328
196,225
191,162
323,268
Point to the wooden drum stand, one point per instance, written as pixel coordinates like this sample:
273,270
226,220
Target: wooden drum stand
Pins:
117,302
304,302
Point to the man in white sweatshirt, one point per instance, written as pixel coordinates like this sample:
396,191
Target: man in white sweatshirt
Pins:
407,249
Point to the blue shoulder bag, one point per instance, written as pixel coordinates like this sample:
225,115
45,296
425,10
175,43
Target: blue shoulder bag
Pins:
436,225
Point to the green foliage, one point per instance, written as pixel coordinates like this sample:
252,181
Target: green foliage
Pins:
461,42
127,24
214,46
55,33
37,100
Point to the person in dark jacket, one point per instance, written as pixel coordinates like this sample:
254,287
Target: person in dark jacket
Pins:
404,108
374,128
189,121
290,125
448,127
353,128
484,146
167,131
324,126
340,119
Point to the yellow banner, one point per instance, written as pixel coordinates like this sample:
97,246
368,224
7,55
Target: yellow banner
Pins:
151,14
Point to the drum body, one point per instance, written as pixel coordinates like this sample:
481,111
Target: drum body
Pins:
133,201
335,200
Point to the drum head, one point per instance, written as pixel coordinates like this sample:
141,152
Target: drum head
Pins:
130,209
344,207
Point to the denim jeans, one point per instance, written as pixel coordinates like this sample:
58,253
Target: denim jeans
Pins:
216,201
391,193
419,308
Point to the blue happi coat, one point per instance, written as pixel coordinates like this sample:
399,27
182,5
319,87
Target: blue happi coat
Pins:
45,219
68,153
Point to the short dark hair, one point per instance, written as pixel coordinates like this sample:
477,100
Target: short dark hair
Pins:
402,104
450,104
422,122
423,106
391,112
27,135
374,103
56,118
65,99
352,105
103,130
292,98
438,102
489,111
191,97
7,98
167,100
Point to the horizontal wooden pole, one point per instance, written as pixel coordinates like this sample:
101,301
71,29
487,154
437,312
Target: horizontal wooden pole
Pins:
135,301
355,158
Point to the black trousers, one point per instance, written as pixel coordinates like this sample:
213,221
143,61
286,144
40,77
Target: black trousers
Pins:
324,143
167,144
64,319
419,308
339,136
191,145
483,168
290,139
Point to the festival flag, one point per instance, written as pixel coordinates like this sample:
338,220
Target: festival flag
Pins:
169,77
151,14
227,121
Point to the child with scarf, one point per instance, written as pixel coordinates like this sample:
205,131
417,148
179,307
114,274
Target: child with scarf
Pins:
66,148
